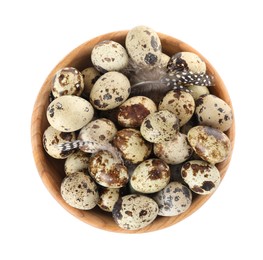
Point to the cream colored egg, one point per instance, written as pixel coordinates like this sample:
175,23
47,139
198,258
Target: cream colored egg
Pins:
214,111
202,177
107,171
133,212
134,110
144,46
150,176
175,151
108,198
211,144
69,113
197,91
132,145
160,126
80,191
110,91
76,162
52,138
180,103
90,76
109,56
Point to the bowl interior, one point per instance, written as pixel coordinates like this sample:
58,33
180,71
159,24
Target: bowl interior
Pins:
51,170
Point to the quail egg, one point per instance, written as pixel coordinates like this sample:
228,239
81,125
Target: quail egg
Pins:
134,211
202,177
197,91
108,198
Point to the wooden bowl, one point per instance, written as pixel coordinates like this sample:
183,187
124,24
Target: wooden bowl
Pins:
51,170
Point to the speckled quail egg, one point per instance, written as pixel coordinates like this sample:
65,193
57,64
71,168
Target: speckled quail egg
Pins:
90,76
109,56
80,191
52,138
134,110
211,144
213,111
173,200
107,170
143,46
202,177
132,146
108,198
180,103
160,126
197,91
76,162
101,130
174,151
187,61
150,176
67,81
134,211
110,90
69,113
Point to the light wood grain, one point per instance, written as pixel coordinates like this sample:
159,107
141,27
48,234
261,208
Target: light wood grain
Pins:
51,170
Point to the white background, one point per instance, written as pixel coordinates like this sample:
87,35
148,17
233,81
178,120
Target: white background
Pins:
36,35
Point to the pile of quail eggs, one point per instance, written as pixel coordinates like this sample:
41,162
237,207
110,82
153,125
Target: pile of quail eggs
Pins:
128,154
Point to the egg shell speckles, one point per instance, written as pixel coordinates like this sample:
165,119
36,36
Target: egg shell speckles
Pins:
69,113
109,56
106,171
80,191
90,76
110,91
173,200
197,91
76,162
160,126
101,130
132,145
134,110
213,111
202,177
108,198
180,103
67,81
175,151
187,61
150,176
211,144
135,211
52,138
144,46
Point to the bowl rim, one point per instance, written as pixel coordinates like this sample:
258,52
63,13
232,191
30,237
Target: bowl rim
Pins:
37,122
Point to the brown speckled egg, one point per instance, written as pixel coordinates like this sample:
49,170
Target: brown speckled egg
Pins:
90,76
213,111
160,126
52,138
69,113
80,191
180,103
132,145
108,198
67,81
174,151
76,162
211,144
101,130
150,176
143,46
197,91
109,56
187,61
173,200
107,171
134,211
134,110
110,91
202,177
